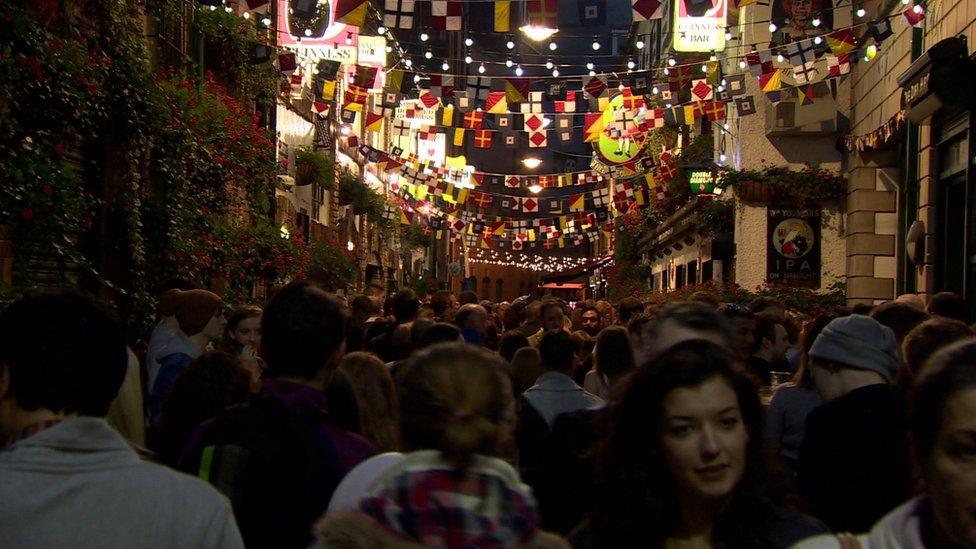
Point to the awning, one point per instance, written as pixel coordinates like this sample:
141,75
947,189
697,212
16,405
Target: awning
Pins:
562,286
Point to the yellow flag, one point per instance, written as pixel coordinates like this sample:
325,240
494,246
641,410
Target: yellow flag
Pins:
458,137
448,116
394,79
503,14
328,90
771,81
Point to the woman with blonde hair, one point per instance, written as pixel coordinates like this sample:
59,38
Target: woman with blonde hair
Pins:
375,399
450,489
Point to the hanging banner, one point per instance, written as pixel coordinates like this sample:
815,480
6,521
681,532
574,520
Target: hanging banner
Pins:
793,247
699,25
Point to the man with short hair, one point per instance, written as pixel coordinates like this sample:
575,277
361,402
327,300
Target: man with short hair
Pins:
531,319
628,307
948,305
67,479
853,466
555,392
590,321
683,321
553,318
901,317
472,320
444,305
405,307
743,327
278,458
772,341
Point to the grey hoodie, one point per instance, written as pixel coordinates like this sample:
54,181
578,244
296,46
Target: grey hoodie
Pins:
78,484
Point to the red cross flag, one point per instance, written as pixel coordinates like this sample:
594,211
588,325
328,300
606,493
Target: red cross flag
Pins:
473,119
482,139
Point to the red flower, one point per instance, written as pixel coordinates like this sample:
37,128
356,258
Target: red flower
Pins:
59,149
48,191
27,214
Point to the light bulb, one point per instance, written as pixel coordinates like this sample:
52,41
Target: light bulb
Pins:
416,78
308,32
905,2
518,70
639,44
552,46
228,9
872,51
348,38
596,45
667,105
655,90
549,64
666,71
620,87
266,22
918,8
728,35
246,15
704,68
468,42
408,62
389,49
672,62
592,73
772,27
861,12
467,59
723,82
631,64
481,68
722,157
381,30
815,22
508,62
446,66
531,162
720,88
510,44
742,64
725,126
713,57
213,8
817,40
424,37
555,73
428,54
589,65
780,58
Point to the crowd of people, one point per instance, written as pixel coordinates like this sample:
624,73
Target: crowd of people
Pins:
441,420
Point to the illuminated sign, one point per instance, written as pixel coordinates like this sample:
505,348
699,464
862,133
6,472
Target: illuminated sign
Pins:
699,25
702,180
372,51
311,23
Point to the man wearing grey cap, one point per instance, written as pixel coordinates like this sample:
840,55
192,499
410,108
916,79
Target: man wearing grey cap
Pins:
853,465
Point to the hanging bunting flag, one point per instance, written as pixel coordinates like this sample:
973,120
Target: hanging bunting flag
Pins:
701,90
596,86
543,13
447,116
770,82
504,122
428,133
364,76
478,87
538,139
401,128
516,89
473,119
640,84
503,14
533,122
429,100
807,97
880,30
497,103
736,84
643,10
679,78
374,120
914,17
442,86
398,14
760,63
481,200
351,12
803,58
513,181
355,98
529,204
445,15
482,138
533,102
287,62
592,13
838,65
744,3
714,110
630,101
841,41
713,72
745,106
510,139
395,79
568,104
592,126
328,90
320,108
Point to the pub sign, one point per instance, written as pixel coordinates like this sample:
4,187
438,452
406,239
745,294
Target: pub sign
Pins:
793,247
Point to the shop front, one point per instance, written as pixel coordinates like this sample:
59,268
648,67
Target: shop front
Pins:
938,93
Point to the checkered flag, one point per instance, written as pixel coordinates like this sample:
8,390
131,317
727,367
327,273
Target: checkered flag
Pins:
398,14
478,87
803,59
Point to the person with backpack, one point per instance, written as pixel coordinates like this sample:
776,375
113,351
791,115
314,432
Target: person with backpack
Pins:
279,458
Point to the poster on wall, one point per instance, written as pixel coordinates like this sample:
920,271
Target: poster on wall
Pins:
311,24
793,247
795,17
699,25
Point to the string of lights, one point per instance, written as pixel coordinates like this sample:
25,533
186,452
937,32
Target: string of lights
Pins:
535,262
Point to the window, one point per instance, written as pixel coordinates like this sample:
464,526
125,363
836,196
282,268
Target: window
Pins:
499,290
693,272
473,283
485,287
679,276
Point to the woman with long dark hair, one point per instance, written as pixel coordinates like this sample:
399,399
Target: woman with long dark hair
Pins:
242,338
685,463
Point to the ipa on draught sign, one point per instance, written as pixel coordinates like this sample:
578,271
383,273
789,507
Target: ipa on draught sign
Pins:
699,25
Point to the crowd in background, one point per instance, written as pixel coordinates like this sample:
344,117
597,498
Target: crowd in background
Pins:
440,420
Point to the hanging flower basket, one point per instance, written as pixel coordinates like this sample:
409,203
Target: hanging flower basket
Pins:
779,184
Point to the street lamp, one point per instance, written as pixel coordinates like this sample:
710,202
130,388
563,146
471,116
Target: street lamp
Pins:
531,162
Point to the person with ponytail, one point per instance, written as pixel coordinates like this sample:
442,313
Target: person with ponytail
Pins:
453,487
